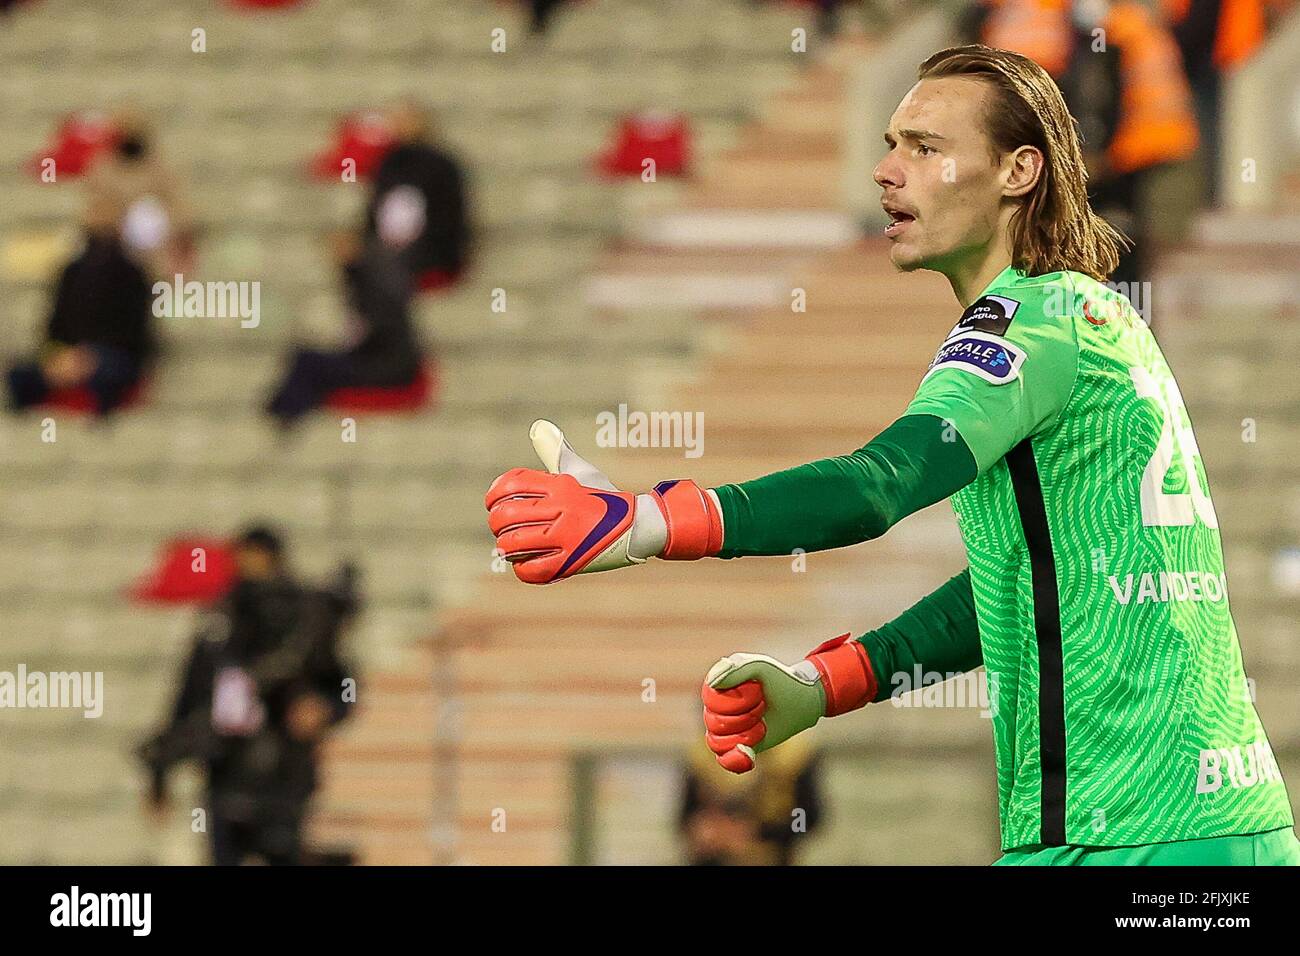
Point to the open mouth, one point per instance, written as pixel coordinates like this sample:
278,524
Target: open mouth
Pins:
898,221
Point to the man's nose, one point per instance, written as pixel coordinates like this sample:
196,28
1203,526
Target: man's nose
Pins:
888,173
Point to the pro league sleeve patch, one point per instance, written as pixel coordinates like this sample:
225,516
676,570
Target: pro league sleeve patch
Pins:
990,313
987,356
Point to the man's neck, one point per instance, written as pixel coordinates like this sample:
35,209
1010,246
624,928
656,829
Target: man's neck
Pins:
971,277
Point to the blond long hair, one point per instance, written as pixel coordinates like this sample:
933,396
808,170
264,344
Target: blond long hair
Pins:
1054,229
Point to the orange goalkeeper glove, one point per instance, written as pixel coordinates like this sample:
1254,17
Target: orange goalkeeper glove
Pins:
753,702
570,519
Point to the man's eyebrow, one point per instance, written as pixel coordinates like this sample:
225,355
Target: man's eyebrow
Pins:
919,134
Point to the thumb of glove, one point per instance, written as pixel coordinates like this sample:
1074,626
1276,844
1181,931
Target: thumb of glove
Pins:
795,697
768,671
560,459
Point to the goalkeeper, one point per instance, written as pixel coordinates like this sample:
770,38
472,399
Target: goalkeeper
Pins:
1095,595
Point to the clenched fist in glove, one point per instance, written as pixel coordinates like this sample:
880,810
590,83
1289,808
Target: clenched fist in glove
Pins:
570,519
753,702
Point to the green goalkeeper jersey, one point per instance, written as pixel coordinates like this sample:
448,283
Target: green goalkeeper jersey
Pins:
1120,709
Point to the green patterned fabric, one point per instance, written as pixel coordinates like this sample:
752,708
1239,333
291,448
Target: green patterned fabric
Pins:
1274,848
1120,707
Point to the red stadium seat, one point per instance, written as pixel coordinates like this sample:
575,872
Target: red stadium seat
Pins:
264,4
81,399
174,579
362,137
421,392
658,136
435,280
80,138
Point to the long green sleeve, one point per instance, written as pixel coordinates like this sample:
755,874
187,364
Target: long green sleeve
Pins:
938,633
836,502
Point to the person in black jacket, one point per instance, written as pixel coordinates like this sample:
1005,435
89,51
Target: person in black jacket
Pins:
415,234
99,333
1093,87
7,5
260,689
540,13
418,208
1198,32
382,350
137,228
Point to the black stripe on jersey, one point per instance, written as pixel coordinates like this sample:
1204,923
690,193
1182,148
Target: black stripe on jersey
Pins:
1047,630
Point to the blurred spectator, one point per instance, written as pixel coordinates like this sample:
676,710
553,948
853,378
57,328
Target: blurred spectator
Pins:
754,819
382,348
1215,37
261,688
99,335
1134,109
415,236
540,14
830,14
1038,29
131,192
1123,78
418,209
828,17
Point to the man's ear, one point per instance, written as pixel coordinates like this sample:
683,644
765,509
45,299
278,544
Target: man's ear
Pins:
1021,170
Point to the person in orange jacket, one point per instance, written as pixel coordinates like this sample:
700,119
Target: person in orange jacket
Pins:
1121,72
1215,37
1039,29
1126,85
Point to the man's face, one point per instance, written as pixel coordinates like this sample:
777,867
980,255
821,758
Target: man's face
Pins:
940,182
254,563
407,121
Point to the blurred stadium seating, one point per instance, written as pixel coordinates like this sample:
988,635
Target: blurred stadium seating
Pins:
479,695
82,516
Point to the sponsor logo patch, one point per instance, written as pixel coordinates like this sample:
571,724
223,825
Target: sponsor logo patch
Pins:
991,358
989,313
